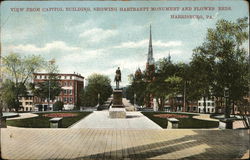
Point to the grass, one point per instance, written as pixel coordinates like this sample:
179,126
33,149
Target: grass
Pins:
43,122
189,122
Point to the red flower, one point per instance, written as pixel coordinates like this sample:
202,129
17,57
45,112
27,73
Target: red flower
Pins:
170,116
60,115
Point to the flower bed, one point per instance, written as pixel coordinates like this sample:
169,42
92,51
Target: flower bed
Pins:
170,116
60,115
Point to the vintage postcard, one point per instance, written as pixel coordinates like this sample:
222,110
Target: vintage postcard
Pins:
125,79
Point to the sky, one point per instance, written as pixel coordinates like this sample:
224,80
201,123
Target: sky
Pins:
88,42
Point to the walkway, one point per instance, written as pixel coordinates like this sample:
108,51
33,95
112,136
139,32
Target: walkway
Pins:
205,117
24,115
121,144
100,119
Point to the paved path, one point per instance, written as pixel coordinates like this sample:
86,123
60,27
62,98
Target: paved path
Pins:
24,115
123,144
205,117
100,119
128,105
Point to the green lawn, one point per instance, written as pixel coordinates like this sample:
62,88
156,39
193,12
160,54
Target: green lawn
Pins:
183,122
43,122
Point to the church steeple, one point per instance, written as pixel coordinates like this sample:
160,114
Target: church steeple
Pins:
150,60
169,57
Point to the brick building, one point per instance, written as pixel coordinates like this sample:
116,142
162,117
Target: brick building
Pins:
71,85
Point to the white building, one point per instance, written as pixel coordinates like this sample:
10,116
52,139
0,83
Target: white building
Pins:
27,102
210,106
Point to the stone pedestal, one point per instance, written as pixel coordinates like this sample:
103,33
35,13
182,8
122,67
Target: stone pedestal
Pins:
117,99
55,123
117,110
173,123
117,113
226,123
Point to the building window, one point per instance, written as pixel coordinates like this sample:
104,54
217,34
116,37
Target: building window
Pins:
70,92
65,83
208,104
70,83
70,99
70,77
45,77
199,104
212,104
212,110
64,91
65,77
208,109
65,99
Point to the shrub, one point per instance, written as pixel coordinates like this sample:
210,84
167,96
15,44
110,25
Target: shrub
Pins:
58,106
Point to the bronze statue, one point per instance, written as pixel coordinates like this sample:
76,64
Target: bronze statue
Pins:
118,77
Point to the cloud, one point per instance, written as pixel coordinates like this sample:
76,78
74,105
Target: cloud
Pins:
31,48
167,44
144,43
82,56
98,34
72,27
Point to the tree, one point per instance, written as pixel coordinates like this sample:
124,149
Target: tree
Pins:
138,87
202,69
97,84
222,51
166,83
19,70
50,88
58,106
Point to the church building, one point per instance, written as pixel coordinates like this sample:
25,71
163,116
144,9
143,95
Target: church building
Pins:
150,71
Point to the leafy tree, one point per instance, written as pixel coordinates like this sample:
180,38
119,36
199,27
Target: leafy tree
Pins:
50,88
19,70
202,79
97,84
166,83
138,87
58,105
223,53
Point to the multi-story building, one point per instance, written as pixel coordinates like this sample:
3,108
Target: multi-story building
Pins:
71,84
210,106
27,102
176,104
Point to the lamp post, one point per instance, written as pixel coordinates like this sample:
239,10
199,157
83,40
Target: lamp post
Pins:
226,96
98,96
134,99
1,81
49,95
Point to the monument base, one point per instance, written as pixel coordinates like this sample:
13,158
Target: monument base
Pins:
117,113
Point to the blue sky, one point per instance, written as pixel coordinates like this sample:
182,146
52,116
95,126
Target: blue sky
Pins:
99,42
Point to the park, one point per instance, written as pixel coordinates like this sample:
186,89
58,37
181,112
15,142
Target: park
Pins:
98,104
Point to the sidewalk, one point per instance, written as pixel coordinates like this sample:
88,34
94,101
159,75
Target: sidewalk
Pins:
205,117
23,116
124,144
100,119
